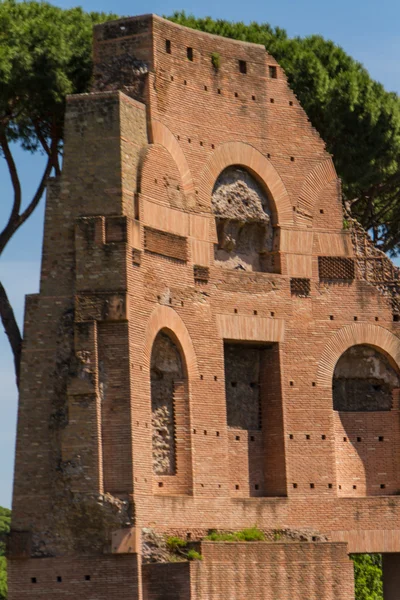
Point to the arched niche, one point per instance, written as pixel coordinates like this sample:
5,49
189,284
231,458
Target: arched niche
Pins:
170,364
166,376
364,380
365,387
240,153
243,212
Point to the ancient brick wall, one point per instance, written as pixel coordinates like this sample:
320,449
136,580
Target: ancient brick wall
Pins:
269,571
169,581
131,249
262,571
100,577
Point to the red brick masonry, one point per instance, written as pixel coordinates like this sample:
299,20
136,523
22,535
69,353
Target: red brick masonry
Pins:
128,252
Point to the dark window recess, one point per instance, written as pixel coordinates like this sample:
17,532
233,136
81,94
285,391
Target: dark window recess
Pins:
201,274
87,577
168,46
189,53
242,367
300,287
336,268
59,579
273,72
136,257
33,580
243,66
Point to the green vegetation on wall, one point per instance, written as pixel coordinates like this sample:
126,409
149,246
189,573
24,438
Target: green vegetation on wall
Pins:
357,118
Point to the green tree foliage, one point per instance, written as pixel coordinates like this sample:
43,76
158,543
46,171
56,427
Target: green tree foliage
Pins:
368,576
3,578
356,117
45,54
5,520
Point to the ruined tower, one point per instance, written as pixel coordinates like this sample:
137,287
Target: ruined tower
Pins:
212,346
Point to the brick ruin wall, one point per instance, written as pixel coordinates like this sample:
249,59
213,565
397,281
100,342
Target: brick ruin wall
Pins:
264,571
142,342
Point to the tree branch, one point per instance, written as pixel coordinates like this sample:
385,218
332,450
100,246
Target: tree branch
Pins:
41,137
15,223
13,174
36,198
11,328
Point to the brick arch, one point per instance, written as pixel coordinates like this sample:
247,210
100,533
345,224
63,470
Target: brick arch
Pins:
160,134
165,318
239,153
354,335
314,184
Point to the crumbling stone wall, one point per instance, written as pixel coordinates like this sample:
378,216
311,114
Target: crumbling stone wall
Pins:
243,220
374,266
122,73
166,368
242,375
363,381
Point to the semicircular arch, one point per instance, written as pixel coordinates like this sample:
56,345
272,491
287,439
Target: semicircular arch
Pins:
239,153
160,134
314,184
355,335
164,318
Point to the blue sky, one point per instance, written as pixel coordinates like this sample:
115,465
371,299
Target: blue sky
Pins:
366,29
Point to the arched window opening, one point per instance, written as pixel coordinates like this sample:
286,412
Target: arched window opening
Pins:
243,218
166,377
366,421
364,380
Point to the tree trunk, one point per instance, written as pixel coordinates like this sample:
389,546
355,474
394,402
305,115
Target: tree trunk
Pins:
11,328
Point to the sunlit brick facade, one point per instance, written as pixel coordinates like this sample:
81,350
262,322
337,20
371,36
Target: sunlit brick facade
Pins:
199,292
